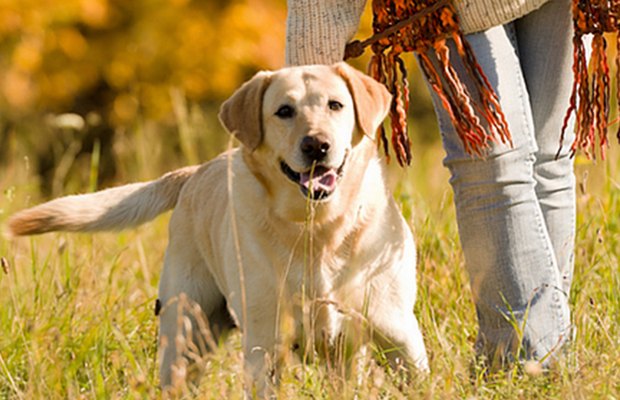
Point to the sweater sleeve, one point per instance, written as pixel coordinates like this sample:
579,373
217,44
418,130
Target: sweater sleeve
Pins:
317,31
479,15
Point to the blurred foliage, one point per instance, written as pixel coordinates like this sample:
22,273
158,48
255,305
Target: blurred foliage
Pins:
116,64
56,52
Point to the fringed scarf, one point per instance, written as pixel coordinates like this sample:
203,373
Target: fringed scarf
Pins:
428,24
423,26
591,91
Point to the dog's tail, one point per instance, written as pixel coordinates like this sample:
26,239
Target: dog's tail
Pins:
108,210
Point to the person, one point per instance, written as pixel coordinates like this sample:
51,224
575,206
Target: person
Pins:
515,208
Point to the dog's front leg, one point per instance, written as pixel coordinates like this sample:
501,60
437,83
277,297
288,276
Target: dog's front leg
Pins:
178,345
259,346
396,327
189,297
390,313
403,335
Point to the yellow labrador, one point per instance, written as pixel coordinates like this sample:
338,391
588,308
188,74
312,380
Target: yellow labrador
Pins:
298,218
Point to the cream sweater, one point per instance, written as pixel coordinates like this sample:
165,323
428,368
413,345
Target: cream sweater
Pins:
317,31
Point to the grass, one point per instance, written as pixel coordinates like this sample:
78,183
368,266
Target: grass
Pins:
77,319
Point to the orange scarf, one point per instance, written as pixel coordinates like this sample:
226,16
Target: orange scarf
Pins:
423,26
591,91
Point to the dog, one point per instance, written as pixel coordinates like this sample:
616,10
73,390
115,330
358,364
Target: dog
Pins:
298,217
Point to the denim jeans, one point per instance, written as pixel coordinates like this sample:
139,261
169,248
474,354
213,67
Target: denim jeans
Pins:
516,207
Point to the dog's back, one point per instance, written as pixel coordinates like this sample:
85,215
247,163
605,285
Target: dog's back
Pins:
112,209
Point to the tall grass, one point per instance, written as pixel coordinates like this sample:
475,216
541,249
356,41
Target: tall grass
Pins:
77,311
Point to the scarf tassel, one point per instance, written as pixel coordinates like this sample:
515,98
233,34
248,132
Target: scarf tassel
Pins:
426,36
422,26
590,97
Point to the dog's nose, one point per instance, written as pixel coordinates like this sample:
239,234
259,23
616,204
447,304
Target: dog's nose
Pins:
315,147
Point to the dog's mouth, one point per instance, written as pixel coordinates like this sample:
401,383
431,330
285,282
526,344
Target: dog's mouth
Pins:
317,183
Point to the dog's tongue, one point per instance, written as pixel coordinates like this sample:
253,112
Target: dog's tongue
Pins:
323,179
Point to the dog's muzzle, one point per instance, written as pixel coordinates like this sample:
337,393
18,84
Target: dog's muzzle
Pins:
317,183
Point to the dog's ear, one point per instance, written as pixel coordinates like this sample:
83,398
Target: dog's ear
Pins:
372,99
241,114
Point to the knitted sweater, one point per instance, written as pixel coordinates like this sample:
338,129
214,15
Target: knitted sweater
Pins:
317,31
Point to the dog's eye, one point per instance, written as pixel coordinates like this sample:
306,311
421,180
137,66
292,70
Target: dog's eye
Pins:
285,112
335,105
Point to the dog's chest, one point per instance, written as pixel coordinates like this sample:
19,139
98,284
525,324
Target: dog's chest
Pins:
327,298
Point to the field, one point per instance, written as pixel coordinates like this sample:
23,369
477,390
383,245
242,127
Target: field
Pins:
77,319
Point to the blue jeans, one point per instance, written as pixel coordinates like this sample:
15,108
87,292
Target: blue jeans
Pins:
516,208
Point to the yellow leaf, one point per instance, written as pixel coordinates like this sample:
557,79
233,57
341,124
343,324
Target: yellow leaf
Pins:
72,43
27,56
95,13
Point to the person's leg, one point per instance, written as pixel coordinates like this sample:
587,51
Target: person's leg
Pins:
508,251
548,32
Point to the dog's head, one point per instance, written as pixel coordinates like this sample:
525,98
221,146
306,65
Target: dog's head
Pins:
305,121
